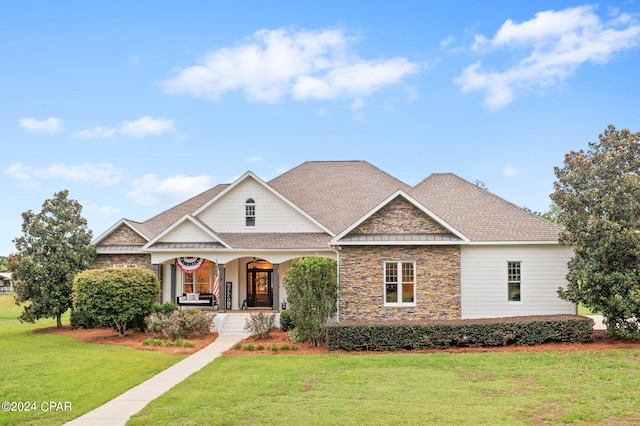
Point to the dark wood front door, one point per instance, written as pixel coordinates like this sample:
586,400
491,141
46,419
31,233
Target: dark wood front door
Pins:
259,286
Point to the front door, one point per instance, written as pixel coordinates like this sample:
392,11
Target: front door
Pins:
259,284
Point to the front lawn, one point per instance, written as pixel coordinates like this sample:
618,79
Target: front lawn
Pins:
507,388
41,368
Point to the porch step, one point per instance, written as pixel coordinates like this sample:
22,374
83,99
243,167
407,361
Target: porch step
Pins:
233,323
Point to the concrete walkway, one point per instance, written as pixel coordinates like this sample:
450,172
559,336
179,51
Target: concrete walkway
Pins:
119,410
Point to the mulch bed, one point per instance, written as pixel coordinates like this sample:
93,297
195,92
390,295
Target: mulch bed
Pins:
278,338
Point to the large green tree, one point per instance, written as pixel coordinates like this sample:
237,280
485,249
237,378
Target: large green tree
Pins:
312,292
54,246
598,195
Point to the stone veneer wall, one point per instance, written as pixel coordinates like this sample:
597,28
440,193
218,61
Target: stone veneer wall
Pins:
122,236
103,261
400,217
362,282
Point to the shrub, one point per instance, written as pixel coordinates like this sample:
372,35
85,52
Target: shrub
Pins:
260,325
165,308
177,324
79,319
286,322
444,334
116,296
312,292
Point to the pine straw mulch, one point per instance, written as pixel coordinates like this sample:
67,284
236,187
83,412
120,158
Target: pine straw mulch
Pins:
279,338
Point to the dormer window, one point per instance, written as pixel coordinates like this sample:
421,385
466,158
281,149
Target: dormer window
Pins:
250,212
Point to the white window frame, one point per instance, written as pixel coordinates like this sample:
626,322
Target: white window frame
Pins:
399,283
511,279
211,270
250,213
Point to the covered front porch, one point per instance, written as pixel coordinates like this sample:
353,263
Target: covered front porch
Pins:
223,283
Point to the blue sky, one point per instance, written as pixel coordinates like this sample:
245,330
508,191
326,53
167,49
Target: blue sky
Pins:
136,106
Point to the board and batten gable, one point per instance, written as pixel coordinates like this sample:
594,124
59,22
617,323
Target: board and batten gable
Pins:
484,292
227,214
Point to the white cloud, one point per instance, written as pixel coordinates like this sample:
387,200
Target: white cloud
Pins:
103,211
150,190
50,125
447,41
146,126
555,45
98,174
273,64
510,171
96,132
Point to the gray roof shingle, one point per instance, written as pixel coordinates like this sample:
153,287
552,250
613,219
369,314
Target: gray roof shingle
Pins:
339,193
479,214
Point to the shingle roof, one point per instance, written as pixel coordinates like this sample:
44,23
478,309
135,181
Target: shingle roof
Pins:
152,227
339,193
479,214
336,193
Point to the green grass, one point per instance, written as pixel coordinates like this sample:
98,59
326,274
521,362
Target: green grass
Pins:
505,388
41,368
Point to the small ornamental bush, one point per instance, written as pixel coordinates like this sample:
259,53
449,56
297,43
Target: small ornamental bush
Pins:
286,322
260,325
177,324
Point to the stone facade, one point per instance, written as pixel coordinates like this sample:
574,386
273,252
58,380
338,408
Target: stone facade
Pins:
362,282
123,236
399,217
140,260
437,271
120,241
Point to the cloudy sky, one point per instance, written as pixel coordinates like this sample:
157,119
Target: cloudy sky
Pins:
136,106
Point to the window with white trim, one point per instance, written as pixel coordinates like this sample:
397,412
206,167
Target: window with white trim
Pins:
200,281
250,212
399,283
514,280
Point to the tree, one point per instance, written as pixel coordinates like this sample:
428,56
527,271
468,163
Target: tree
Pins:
116,296
3,264
598,195
312,292
55,245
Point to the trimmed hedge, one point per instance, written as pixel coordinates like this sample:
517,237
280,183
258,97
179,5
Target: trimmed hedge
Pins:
392,336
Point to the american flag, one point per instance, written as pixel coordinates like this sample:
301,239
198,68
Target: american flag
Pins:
216,283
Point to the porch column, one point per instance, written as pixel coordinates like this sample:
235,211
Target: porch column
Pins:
222,300
173,284
156,270
276,288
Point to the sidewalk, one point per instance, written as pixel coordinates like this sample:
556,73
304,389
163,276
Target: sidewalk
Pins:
120,409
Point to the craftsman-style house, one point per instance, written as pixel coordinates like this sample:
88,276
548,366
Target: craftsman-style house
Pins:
441,249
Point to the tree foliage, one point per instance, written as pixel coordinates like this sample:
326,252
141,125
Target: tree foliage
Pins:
54,246
116,296
312,292
598,194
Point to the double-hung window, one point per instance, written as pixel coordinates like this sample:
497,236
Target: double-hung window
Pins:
250,212
514,280
399,283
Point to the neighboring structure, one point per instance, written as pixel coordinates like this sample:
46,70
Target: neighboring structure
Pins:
5,282
442,249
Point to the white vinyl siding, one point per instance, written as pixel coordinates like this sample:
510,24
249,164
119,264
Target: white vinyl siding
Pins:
484,280
228,214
